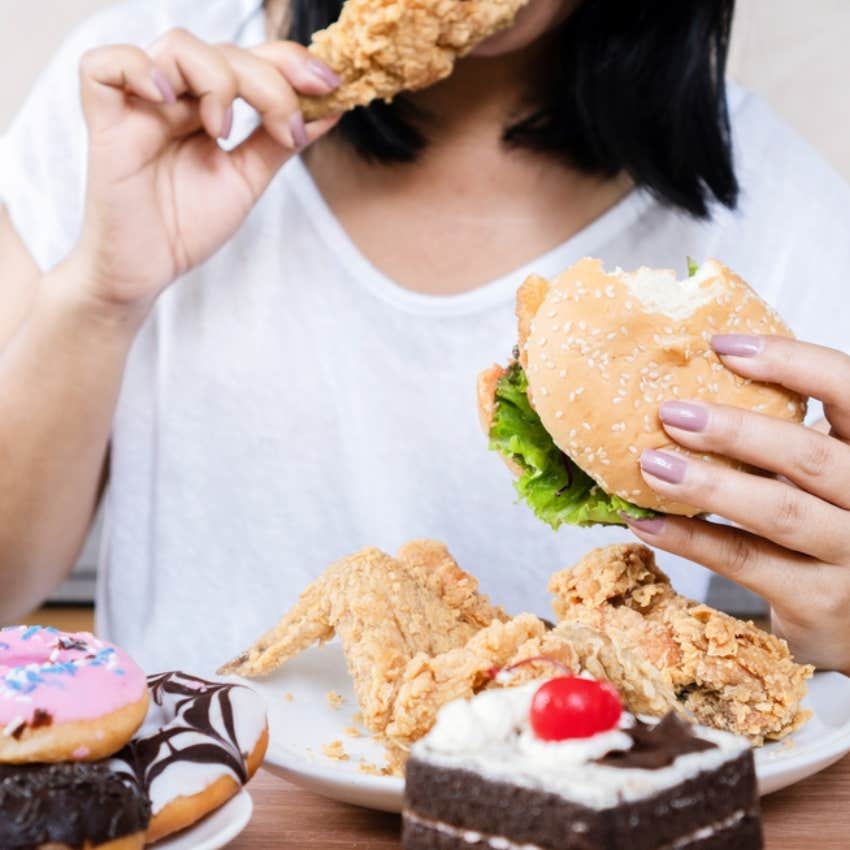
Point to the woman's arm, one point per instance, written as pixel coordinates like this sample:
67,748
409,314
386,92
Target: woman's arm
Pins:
162,197
60,371
792,540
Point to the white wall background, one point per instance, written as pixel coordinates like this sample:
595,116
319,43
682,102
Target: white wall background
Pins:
794,53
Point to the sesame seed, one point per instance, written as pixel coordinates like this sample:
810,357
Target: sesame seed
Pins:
559,414
586,426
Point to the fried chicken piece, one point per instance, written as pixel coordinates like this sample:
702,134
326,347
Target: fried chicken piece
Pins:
430,563
529,298
382,47
429,682
385,611
730,674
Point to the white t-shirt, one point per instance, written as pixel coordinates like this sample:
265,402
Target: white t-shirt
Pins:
287,403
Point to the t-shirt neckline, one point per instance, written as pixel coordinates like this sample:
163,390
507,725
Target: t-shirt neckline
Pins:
496,292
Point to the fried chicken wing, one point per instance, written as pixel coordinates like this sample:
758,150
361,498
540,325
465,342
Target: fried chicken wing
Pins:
384,611
729,673
382,47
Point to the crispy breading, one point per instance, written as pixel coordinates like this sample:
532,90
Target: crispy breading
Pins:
429,682
379,48
385,611
529,297
730,674
430,563
486,394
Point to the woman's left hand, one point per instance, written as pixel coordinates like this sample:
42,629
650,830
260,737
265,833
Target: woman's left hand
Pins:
792,540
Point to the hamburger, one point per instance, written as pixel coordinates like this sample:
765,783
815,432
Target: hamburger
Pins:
598,353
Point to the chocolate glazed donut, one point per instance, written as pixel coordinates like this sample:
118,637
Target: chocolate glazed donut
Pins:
200,743
70,806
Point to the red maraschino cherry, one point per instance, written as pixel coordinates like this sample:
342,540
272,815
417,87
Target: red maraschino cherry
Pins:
571,707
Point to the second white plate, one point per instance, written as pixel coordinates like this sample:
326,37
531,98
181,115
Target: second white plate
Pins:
216,830
303,720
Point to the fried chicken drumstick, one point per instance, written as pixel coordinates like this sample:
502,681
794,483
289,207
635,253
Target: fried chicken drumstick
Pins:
382,47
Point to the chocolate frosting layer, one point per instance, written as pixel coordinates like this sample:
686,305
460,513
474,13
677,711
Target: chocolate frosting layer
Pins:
656,746
68,804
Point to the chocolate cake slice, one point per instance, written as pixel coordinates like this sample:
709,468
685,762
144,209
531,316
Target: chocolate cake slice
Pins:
482,778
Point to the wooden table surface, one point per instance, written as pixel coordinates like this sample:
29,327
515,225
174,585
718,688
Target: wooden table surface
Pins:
812,815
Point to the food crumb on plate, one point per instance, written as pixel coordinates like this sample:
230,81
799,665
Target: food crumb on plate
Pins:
334,750
352,732
335,700
373,770
288,697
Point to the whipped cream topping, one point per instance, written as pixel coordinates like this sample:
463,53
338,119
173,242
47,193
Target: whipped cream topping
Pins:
491,735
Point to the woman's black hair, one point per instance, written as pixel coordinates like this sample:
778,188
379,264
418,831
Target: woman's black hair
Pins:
634,86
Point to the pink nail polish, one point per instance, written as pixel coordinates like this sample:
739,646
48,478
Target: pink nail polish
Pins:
299,130
684,415
647,526
323,73
165,89
227,124
738,345
668,467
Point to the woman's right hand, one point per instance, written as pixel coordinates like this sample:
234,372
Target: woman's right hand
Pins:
162,195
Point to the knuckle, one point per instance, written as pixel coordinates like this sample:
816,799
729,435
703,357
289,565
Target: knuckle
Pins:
740,556
815,457
789,513
727,427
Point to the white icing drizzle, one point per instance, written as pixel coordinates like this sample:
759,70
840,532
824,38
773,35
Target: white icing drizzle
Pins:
195,732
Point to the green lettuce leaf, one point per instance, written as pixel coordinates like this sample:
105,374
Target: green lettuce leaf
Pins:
557,490
693,267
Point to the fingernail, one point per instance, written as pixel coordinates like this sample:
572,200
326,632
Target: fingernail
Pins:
684,415
324,73
647,526
299,130
227,124
738,345
161,82
663,465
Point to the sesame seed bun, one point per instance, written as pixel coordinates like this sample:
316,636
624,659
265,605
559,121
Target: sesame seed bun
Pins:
602,351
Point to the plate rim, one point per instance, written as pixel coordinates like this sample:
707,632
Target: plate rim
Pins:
243,805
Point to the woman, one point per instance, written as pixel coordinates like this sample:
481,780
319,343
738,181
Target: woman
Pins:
268,360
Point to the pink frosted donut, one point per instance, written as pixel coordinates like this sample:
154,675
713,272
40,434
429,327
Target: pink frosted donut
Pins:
65,697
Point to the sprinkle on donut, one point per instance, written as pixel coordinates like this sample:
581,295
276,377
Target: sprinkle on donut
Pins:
53,683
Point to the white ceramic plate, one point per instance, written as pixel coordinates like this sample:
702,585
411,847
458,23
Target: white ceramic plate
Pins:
302,725
216,830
